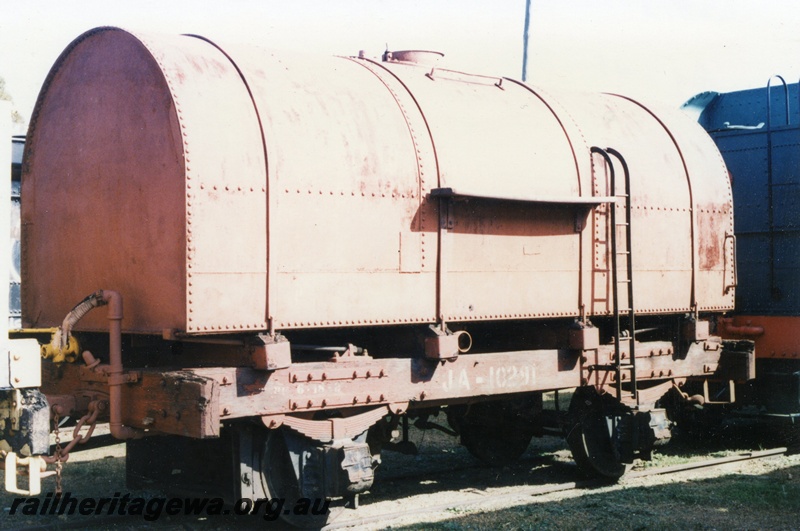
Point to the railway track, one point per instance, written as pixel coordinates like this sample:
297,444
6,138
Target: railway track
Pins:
406,486
524,493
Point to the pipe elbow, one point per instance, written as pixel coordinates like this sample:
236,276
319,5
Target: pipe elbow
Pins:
114,301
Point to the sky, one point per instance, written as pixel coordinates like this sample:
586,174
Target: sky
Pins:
652,50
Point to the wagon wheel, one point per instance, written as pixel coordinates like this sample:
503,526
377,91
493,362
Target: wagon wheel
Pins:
590,443
279,480
590,438
498,432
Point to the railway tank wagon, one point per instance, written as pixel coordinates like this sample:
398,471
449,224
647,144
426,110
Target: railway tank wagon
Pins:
310,249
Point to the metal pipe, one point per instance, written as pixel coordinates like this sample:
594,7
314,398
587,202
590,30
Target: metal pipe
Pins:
318,348
115,372
726,326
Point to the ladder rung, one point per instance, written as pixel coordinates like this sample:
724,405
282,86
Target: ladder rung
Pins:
622,224
621,195
624,281
623,252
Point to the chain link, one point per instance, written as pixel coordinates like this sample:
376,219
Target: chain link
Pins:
59,464
61,455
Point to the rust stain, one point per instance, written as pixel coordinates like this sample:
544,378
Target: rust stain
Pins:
710,224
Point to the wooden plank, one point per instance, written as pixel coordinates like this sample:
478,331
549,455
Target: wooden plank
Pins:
177,402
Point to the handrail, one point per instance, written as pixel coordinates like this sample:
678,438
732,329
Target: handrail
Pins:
769,100
774,291
631,364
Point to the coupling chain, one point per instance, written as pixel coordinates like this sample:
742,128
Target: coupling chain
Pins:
59,464
61,454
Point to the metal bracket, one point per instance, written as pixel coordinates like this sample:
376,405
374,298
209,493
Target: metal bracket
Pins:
735,270
582,337
446,221
11,408
580,220
270,353
35,465
328,430
444,344
695,330
24,357
731,390
124,378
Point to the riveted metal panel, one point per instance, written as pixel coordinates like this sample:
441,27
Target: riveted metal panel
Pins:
766,232
712,204
154,147
585,169
500,259
506,260
493,141
661,209
103,188
225,186
713,210
348,157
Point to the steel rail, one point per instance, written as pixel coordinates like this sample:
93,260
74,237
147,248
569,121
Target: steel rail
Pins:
520,494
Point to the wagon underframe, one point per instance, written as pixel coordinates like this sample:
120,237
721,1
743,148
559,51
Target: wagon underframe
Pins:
194,401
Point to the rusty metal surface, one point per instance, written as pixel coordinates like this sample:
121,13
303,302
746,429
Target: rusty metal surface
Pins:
225,186
192,402
660,208
499,260
502,261
349,240
228,188
713,206
674,172
494,141
158,188
79,210
776,337
343,209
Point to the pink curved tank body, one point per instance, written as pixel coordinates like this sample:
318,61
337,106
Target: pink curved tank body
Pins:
226,188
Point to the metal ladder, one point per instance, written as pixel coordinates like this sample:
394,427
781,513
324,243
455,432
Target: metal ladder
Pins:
621,368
